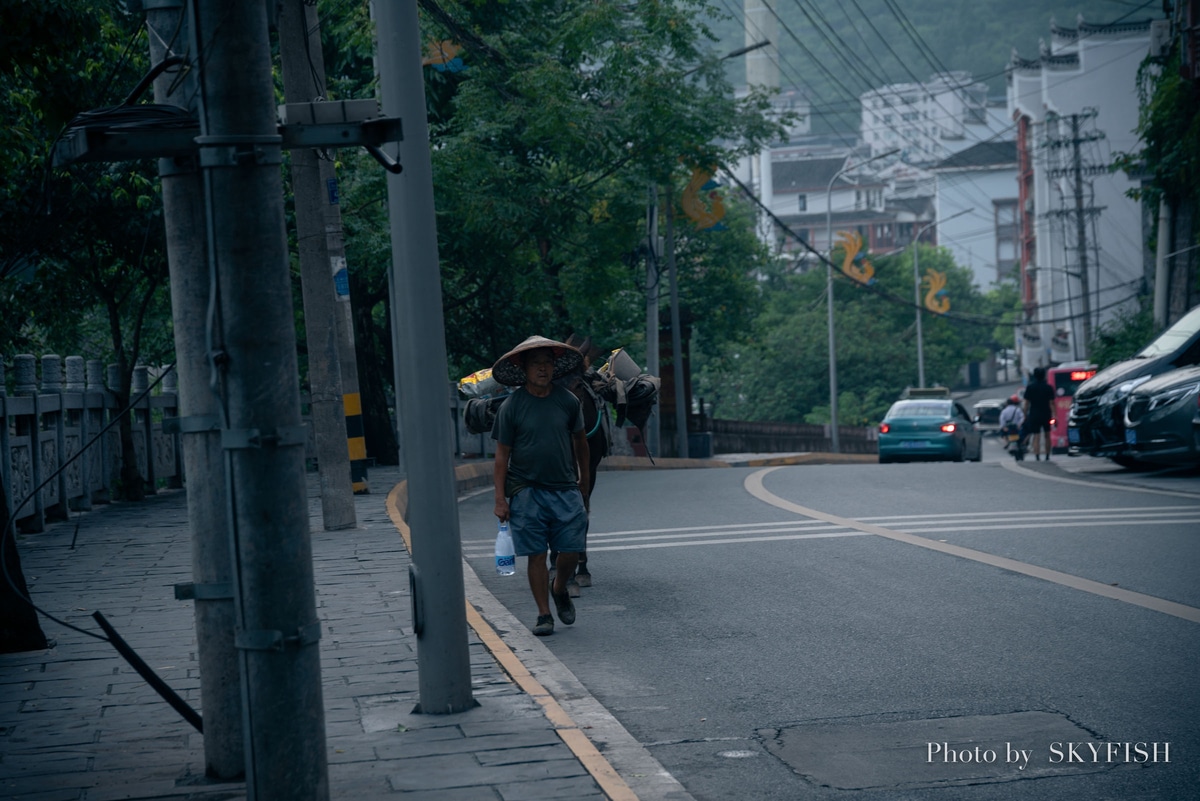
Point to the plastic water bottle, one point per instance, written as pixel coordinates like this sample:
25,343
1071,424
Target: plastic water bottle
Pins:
506,560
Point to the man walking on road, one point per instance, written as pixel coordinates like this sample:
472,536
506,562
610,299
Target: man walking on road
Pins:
1039,411
541,471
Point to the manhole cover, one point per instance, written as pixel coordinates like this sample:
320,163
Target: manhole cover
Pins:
947,751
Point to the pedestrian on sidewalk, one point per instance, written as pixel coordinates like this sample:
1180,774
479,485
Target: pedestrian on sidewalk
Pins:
541,471
1039,412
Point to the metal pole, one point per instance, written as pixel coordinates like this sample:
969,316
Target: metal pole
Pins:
303,76
681,428
1161,273
253,357
917,301
436,578
833,393
834,443
203,459
917,292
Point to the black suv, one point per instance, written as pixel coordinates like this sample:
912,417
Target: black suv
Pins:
1096,426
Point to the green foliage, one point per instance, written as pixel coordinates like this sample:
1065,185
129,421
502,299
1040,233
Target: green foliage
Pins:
83,270
1169,126
543,150
1123,336
780,372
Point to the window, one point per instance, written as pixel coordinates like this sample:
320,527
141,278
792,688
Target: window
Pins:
1008,232
802,202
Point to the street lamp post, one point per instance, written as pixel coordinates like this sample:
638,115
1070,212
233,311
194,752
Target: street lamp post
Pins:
833,413
917,294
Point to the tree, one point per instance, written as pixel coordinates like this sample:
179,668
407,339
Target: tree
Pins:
543,149
780,372
90,242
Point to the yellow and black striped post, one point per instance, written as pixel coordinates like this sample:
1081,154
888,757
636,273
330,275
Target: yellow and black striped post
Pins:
357,442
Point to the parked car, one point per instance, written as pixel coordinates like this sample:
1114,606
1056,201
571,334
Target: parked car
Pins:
1162,419
987,414
1096,426
928,428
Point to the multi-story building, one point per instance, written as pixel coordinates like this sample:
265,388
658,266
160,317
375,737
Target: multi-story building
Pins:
1081,248
930,121
977,210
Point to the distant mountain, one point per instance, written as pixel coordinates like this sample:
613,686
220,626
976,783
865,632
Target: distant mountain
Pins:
837,50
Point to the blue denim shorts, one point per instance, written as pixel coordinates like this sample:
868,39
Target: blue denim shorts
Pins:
543,519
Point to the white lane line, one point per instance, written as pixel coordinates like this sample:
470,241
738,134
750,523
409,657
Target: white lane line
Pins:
754,485
689,543
947,527
818,530
1044,513
1100,484
786,523
1079,516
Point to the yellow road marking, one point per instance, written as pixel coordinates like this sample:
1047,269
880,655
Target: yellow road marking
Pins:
611,783
754,485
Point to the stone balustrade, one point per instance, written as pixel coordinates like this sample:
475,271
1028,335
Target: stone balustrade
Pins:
44,424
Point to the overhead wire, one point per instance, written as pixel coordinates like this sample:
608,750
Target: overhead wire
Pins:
779,60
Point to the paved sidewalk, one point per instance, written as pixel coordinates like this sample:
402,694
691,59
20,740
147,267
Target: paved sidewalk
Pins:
76,722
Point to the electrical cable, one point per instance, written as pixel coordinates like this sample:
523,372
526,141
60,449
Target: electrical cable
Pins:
877,290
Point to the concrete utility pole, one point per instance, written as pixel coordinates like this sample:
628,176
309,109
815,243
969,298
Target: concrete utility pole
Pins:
653,284
253,353
203,459
1081,229
303,79
439,609
681,428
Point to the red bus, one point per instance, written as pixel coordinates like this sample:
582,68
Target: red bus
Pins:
1065,379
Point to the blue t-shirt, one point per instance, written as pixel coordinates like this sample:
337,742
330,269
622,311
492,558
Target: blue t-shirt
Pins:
539,432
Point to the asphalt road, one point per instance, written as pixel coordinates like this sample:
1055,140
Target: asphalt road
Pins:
916,631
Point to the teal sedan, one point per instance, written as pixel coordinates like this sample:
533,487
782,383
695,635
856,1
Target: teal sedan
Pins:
928,429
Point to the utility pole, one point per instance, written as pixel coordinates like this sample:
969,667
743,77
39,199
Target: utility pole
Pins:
203,460
1081,229
653,283
681,421
303,79
418,333
1075,169
253,358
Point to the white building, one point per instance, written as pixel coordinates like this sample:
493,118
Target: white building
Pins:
929,121
1076,108
977,210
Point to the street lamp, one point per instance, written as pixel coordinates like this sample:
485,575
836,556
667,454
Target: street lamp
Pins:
652,297
833,415
917,294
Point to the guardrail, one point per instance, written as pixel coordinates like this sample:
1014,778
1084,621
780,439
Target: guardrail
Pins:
44,424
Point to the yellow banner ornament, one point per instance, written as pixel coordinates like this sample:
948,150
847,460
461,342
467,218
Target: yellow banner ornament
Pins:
937,298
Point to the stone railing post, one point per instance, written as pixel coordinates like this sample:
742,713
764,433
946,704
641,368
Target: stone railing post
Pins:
76,421
25,377
170,391
143,418
55,416
99,490
112,378
5,455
